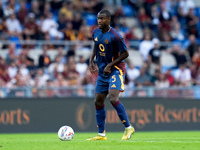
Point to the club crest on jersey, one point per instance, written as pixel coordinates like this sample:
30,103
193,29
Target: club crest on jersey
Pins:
106,41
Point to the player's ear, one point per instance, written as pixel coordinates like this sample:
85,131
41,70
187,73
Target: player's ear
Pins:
109,19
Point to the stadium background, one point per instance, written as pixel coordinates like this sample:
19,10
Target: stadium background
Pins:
44,52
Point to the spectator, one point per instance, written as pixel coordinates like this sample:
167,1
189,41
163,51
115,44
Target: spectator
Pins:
23,11
169,77
154,18
91,6
183,76
89,79
145,46
89,82
40,34
196,58
14,27
24,58
143,18
69,32
73,76
176,33
82,34
4,77
44,59
71,52
156,75
154,56
8,11
148,4
193,46
50,91
63,59
12,70
66,10
184,7
77,22
17,81
1,11
60,81
3,31
23,70
56,5
162,82
196,77
191,21
11,56
65,71
178,53
165,19
55,67
130,36
132,74
42,78
62,23
46,10
35,9
32,68
81,66
51,27
30,27
143,79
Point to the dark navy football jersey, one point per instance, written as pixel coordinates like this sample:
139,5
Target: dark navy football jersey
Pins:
108,47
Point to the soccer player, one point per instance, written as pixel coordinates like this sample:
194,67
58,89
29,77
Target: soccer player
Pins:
110,51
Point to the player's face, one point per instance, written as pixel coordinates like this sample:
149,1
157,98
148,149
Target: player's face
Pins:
103,21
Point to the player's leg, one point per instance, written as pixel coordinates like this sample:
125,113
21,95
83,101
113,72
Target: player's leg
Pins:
116,85
121,112
100,112
100,116
101,92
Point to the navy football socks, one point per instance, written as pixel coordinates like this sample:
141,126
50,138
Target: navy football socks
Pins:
122,113
100,118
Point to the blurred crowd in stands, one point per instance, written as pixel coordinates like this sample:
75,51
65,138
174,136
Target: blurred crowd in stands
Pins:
175,21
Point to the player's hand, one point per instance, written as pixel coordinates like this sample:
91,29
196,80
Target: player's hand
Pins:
93,68
107,70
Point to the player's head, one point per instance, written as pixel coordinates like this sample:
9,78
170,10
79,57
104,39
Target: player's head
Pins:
103,18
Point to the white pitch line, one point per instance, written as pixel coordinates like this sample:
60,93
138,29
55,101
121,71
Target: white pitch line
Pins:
143,141
170,138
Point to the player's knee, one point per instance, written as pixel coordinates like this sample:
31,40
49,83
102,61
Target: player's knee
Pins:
113,99
98,103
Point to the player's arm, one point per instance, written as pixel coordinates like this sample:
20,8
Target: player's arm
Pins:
92,66
123,55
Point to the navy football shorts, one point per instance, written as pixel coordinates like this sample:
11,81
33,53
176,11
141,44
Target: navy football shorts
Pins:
114,81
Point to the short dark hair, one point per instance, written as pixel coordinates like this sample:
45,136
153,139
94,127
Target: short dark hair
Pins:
108,14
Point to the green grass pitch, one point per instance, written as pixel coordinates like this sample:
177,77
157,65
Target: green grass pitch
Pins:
139,141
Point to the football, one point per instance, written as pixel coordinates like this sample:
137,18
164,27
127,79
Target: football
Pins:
66,133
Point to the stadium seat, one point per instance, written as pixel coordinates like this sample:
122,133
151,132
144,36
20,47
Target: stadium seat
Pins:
3,53
85,52
197,11
34,54
168,60
130,21
135,57
91,19
128,11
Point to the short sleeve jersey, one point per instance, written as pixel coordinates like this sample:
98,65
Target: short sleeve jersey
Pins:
108,46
